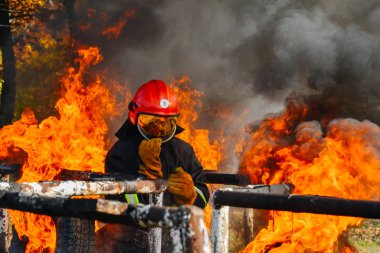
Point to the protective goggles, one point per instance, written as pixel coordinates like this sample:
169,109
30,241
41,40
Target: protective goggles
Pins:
154,126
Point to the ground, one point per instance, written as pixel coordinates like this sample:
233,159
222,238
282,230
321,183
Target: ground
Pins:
366,238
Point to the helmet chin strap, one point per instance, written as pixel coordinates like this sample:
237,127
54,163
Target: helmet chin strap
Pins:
163,140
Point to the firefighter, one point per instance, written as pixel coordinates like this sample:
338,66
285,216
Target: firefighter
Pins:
148,148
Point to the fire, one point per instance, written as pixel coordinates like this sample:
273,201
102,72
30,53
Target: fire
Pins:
342,162
113,32
209,153
74,139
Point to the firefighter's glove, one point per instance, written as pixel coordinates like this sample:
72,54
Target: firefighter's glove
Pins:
182,186
149,153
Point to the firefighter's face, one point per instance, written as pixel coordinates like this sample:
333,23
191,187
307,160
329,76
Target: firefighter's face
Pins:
155,126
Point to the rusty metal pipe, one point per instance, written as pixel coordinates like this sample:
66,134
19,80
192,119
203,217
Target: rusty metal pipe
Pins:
210,177
9,169
82,188
223,178
185,222
219,229
5,238
298,203
155,234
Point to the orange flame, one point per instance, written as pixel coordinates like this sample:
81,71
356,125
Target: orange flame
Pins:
345,163
209,153
113,32
75,140
72,140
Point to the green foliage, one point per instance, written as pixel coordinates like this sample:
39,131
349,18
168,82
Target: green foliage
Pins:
38,74
1,85
24,11
41,55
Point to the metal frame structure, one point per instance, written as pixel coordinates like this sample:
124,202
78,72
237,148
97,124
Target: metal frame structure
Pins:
220,221
271,199
85,188
5,239
4,223
186,222
298,203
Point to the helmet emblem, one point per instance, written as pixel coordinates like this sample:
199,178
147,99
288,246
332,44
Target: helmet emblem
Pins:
164,103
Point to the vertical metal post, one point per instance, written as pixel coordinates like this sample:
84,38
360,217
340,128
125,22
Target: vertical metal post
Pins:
219,229
248,225
220,223
155,234
4,224
191,234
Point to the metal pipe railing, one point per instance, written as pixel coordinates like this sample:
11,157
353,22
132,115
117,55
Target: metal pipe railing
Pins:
298,203
254,197
220,220
186,222
212,177
83,188
89,183
9,169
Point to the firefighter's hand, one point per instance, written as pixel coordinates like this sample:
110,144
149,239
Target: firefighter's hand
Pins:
182,186
149,153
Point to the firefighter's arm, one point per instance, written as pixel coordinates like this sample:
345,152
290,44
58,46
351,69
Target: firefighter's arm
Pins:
190,188
149,153
181,185
196,170
118,162
150,166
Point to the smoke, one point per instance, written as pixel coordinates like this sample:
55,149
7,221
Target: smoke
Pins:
251,53
327,49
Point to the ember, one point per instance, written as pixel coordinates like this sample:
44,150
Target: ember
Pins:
113,32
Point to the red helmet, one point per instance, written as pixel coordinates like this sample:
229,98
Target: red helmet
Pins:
153,97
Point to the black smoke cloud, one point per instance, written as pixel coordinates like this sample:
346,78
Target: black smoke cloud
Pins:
250,55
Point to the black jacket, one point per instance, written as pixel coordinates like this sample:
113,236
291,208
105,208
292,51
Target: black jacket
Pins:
123,158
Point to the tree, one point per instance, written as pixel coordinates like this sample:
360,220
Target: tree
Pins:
8,88
41,54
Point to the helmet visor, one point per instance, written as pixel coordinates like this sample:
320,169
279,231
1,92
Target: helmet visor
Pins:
154,126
